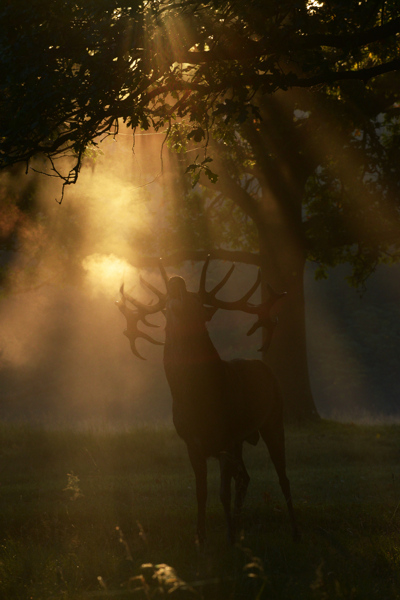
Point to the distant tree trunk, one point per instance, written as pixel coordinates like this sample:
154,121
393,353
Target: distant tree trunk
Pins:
282,265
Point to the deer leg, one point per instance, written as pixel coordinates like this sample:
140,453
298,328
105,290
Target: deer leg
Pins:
226,461
274,437
199,465
242,480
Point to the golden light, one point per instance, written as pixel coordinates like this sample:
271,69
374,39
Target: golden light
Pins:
312,5
106,273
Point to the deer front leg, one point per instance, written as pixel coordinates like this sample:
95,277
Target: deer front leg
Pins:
242,480
275,440
226,474
199,465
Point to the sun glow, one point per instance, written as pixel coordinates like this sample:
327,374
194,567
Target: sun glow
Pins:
106,273
313,5
62,352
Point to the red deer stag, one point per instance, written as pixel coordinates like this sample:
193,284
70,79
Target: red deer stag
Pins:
217,405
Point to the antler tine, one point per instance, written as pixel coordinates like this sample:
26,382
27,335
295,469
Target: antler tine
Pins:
132,319
141,312
145,309
163,272
223,281
208,296
253,288
269,330
153,289
202,285
134,349
241,304
161,297
262,311
274,296
264,319
140,334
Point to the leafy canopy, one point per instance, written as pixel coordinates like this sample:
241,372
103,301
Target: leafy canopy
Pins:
70,71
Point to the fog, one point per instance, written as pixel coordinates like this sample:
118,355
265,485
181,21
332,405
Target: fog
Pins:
63,358
353,346
62,352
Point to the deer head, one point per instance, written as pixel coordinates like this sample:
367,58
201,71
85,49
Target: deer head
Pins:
176,289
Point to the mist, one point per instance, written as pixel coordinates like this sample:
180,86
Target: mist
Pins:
63,358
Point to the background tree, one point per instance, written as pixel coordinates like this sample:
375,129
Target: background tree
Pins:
223,62
318,179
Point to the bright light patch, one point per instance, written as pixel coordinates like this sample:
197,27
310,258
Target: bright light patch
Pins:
299,115
105,273
312,5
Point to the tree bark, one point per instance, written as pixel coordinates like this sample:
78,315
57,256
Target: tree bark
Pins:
283,261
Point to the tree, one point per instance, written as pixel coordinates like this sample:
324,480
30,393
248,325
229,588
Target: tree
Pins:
308,199
69,71
211,65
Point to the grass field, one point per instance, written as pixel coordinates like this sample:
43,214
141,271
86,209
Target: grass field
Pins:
80,512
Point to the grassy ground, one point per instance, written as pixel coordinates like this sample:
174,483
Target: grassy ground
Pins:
76,506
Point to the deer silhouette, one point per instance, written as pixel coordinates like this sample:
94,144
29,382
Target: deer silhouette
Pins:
216,404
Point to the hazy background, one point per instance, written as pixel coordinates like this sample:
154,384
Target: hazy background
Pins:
63,358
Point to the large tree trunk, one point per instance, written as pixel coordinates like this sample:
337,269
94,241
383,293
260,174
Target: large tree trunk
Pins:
282,265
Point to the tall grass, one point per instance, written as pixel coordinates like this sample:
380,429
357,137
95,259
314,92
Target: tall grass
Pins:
80,512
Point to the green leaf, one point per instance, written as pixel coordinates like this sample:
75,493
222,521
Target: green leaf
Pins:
197,134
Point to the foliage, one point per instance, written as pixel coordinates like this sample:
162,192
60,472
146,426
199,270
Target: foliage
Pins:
203,219
208,71
73,69
36,248
332,169
24,231
136,505
351,202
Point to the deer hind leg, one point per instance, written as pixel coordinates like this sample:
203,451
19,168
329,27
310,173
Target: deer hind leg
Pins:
199,465
274,437
232,467
242,480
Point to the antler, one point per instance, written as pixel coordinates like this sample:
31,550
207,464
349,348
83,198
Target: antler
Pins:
261,310
133,317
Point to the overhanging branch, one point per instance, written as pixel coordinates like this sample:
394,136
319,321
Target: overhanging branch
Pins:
239,256
336,76
283,81
237,48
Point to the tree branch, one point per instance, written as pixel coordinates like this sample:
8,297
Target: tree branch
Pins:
244,49
335,76
247,258
283,81
355,40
